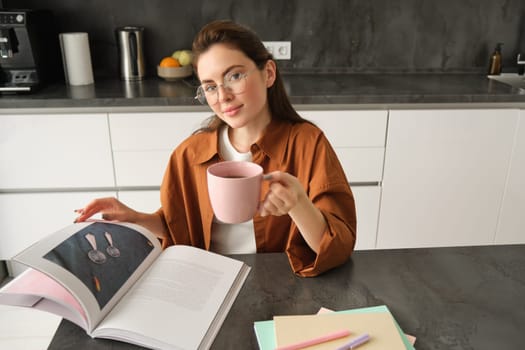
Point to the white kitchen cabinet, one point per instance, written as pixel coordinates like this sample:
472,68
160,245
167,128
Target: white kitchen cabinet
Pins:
26,218
143,142
511,226
444,176
55,151
450,177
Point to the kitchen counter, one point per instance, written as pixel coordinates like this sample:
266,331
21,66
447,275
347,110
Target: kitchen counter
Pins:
308,90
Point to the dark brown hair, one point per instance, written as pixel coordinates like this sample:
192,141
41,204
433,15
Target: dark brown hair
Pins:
242,38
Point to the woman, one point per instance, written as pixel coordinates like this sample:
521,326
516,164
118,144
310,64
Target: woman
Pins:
308,208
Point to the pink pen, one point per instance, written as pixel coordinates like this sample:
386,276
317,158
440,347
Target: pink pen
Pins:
317,340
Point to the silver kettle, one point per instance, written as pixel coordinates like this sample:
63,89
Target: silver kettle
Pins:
130,47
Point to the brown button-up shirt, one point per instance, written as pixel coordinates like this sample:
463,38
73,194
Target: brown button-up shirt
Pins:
299,149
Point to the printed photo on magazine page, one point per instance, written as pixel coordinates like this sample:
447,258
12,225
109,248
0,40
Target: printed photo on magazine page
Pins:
103,256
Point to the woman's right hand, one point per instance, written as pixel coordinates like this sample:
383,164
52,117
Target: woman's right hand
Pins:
110,208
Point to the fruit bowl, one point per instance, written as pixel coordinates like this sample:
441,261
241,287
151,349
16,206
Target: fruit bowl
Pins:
174,73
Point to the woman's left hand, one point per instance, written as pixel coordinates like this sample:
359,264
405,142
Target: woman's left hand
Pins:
284,194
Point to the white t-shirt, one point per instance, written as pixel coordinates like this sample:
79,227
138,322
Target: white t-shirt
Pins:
232,238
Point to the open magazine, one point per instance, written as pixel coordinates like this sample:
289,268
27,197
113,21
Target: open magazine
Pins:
115,281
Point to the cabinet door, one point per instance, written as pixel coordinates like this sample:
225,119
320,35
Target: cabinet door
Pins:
26,218
511,227
358,138
144,201
55,151
143,142
367,207
444,176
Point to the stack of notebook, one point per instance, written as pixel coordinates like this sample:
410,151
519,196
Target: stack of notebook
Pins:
371,328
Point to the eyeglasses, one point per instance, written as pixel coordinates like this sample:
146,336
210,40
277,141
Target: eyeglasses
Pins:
233,83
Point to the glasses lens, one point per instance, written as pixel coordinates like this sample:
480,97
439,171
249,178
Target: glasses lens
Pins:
235,83
201,96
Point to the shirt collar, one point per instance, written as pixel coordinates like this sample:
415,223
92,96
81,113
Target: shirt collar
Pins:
271,142
208,147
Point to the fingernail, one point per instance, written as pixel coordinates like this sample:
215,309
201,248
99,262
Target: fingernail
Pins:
267,177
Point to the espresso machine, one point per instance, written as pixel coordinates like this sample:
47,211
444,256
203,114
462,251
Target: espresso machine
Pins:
29,50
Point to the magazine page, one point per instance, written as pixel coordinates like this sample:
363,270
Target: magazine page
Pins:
36,290
97,262
179,303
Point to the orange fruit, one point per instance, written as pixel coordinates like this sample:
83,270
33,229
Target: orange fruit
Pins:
169,62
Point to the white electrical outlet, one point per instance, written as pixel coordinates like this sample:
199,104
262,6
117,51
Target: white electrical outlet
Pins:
281,50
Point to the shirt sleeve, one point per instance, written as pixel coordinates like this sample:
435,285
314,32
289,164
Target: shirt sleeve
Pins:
173,211
330,192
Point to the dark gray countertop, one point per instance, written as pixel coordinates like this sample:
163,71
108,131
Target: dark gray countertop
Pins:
449,298
305,89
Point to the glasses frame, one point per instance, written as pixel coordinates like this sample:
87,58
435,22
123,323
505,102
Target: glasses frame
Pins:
201,95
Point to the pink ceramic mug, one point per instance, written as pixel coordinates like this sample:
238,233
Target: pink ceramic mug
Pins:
234,189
